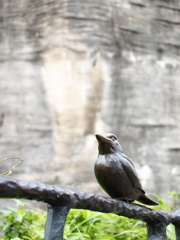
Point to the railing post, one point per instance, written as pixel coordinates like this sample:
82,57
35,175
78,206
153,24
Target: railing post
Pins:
156,231
176,222
55,222
177,229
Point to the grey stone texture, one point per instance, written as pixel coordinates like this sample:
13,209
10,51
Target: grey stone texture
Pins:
69,69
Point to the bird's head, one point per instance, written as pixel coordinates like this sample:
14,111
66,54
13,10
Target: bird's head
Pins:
108,143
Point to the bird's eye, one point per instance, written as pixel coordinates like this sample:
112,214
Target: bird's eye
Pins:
113,138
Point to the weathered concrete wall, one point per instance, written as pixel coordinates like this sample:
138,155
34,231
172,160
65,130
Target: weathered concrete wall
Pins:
69,69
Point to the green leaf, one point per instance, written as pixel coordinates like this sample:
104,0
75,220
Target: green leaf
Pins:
20,217
5,212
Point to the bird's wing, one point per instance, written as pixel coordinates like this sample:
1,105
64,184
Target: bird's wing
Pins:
129,168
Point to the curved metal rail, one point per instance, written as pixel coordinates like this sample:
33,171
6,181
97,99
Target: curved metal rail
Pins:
61,200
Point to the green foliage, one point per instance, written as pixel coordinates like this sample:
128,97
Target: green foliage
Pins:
16,239
176,199
22,223
83,224
28,224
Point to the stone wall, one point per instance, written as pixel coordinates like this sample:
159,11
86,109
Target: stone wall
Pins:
69,69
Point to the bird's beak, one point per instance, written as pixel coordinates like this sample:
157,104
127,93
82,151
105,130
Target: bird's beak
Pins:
101,139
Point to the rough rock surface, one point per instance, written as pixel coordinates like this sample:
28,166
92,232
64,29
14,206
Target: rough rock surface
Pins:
69,69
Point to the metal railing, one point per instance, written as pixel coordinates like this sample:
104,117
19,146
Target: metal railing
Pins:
61,200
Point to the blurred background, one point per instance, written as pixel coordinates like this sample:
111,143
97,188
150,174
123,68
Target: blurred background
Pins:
70,69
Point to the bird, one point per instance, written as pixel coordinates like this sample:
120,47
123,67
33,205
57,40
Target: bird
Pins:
116,173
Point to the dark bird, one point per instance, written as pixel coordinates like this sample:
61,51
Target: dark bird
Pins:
116,173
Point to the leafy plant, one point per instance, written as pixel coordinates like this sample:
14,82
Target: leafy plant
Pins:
176,199
22,223
84,224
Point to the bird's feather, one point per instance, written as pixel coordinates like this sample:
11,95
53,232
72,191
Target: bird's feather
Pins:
131,173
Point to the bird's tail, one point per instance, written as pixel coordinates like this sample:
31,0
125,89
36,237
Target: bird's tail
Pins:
147,201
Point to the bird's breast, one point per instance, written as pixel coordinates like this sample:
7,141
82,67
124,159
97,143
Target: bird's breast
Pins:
106,164
101,160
